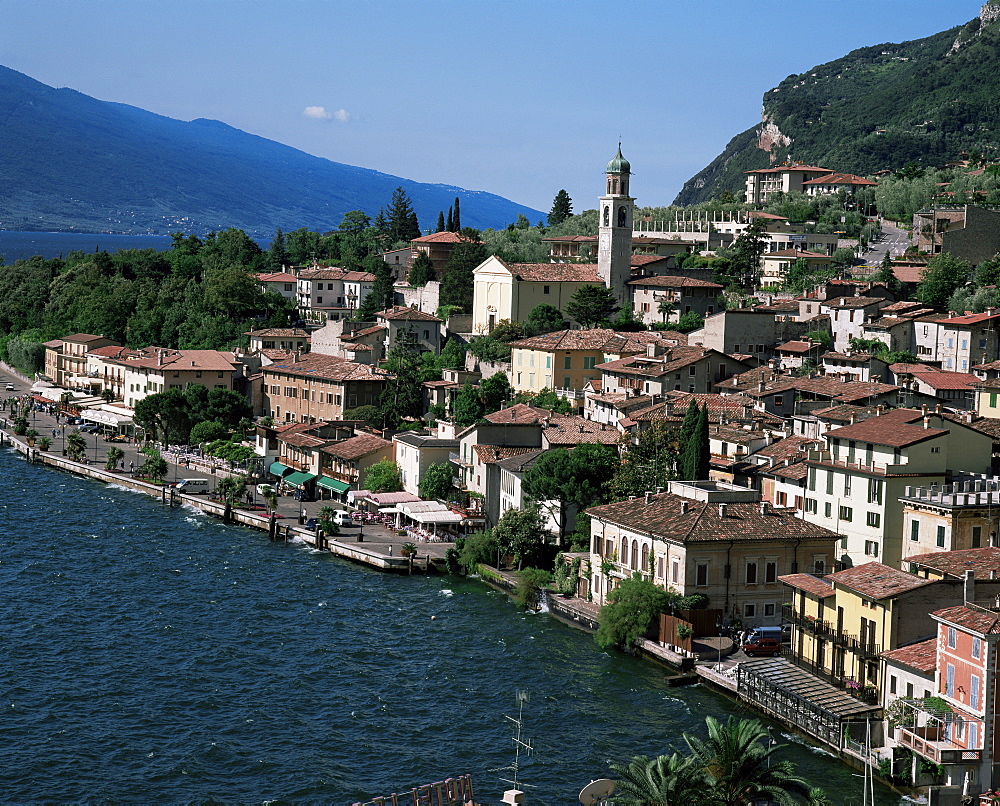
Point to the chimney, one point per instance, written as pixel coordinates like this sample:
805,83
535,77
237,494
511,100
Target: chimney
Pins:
295,356
659,490
722,510
937,409
927,422
684,507
923,409
969,586
854,417
845,378
651,350
649,497
760,387
763,507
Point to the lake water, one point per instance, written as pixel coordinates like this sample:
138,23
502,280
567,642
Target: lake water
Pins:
157,656
23,245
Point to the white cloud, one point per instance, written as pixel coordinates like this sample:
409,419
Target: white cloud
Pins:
316,113
320,113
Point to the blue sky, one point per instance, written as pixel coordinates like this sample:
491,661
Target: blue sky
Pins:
516,98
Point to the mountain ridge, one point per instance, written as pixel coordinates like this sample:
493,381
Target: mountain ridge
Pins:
877,107
74,162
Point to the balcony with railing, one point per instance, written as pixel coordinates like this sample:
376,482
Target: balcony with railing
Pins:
930,733
456,459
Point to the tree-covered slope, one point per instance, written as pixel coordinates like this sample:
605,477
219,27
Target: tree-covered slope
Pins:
72,161
877,107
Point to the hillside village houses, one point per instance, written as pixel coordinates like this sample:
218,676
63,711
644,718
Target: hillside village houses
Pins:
847,496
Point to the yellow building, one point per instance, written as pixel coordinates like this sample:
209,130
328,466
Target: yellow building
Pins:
841,623
988,398
567,359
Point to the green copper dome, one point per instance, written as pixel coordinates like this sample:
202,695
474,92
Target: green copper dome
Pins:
619,165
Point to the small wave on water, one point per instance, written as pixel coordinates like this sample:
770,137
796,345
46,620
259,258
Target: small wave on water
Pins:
812,748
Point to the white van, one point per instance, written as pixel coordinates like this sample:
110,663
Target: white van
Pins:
193,486
265,489
342,518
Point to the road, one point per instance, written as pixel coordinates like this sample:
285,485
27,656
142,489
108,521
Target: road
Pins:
893,240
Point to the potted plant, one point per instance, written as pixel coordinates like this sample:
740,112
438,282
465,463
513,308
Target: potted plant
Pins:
408,550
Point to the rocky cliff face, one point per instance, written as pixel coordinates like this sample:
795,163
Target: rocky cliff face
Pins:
877,107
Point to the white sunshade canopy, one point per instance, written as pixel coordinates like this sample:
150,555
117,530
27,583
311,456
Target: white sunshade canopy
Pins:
437,516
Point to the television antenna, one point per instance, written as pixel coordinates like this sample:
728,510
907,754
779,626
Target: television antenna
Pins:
520,745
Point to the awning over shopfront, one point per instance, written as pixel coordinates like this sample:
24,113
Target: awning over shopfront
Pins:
333,484
279,469
298,479
437,516
105,417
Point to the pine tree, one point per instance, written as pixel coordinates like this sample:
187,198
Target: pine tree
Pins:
422,270
450,226
440,224
562,208
380,296
591,305
458,281
457,219
402,221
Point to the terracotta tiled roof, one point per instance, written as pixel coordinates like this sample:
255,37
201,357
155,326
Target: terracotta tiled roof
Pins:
562,430
639,261
665,517
671,281
404,313
859,358
671,360
768,216
908,274
796,471
840,179
366,331
488,454
844,412
787,448
572,239
821,386
278,331
519,414
593,339
114,352
346,275
982,560
439,237
851,302
277,277
877,581
895,429
329,367
968,319
83,337
984,622
947,380
810,584
906,369
556,272
357,446
522,462
921,656
796,347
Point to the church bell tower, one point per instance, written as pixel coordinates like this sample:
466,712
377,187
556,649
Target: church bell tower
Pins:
614,242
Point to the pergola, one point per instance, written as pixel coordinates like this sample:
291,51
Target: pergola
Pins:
799,698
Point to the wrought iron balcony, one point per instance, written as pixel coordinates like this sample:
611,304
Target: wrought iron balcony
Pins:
456,459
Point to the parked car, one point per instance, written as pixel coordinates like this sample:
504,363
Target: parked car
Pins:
10,387
312,523
762,646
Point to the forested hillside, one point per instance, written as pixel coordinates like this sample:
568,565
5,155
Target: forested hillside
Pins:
73,162
878,107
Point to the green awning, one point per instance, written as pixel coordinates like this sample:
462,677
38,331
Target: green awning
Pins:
333,484
278,469
298,479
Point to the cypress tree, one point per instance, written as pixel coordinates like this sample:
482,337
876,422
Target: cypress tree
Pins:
695,454
402,221
687,430
440,224
412,226
457,220
451,221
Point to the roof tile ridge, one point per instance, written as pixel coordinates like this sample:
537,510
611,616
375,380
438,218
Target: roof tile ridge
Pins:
695,522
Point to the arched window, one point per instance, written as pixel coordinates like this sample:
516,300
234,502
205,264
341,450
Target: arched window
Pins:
614,184
635,556
623,557
622,215
645,556
607,216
